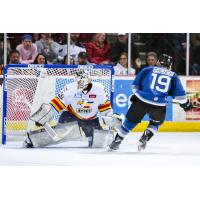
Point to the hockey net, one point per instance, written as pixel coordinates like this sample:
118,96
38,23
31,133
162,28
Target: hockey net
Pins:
26,87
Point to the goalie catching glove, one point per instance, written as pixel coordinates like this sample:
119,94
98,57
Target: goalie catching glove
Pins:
113,122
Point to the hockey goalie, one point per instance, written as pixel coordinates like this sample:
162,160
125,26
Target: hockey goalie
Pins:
86,112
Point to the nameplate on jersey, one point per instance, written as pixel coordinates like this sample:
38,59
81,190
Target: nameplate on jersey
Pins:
83,110
92,96
164,71
77,95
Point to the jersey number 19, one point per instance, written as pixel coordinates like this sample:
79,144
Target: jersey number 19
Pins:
160,83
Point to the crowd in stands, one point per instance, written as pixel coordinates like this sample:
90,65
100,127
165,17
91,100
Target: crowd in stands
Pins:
101,48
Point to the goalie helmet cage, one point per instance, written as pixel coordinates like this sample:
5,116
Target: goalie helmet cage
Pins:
26,87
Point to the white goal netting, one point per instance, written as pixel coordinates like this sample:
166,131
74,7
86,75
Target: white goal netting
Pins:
26,87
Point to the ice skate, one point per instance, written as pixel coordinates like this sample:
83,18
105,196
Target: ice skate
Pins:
27,143
147,135
115,143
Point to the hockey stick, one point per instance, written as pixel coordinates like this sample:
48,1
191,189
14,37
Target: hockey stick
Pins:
41,91
51,132
37,118
43,116
55,137
173,102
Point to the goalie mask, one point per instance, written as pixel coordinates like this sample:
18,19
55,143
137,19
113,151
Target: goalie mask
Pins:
166,61
83,79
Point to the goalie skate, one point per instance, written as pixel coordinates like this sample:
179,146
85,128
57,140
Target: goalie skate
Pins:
27,143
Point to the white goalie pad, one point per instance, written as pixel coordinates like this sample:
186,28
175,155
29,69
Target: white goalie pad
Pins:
102,138
44,114
67,132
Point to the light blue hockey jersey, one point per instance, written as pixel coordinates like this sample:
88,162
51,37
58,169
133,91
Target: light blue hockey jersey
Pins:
153,84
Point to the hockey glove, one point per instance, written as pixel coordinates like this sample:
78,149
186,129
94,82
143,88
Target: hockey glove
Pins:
187,106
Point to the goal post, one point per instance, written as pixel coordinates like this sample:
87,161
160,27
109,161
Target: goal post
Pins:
27,86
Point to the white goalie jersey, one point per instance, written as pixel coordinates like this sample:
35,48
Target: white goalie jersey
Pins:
84,106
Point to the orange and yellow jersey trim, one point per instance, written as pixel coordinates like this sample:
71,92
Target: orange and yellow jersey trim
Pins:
57,104
104,107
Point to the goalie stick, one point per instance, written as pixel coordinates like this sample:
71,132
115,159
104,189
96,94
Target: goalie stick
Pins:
51,132
38,99
37,119
55,137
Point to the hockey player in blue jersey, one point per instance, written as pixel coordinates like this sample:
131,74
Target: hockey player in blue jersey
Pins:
151,87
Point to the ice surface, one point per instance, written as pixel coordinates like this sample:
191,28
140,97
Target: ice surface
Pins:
165,149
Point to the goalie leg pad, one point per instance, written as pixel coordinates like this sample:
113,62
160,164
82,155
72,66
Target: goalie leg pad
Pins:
39,139
102,138
66,132
69,131
114,122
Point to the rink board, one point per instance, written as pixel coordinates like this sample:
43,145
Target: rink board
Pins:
165,127
172,127
176,118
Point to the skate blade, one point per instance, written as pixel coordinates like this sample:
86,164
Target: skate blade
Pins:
140,147
108,149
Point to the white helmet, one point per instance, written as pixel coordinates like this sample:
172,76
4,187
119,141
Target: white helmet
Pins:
83,79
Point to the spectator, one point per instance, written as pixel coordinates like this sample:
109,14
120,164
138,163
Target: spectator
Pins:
195,41
86,37
138,65
98,50
27,50
61,38
195,69
122,66
178,43
2,51
83,58
75,40
40,59
122,46
156,42
71,60
152,58
14,57
9,50
48,47
75,48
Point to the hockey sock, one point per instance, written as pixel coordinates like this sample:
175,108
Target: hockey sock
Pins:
153,128
149,134
126,127
90,141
